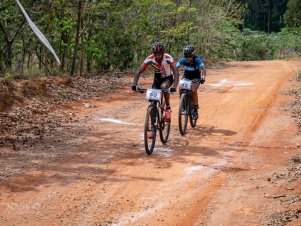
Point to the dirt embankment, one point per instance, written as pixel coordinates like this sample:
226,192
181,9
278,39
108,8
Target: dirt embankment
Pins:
33,109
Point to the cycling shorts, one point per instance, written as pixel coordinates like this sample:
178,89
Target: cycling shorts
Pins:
158,81
190,75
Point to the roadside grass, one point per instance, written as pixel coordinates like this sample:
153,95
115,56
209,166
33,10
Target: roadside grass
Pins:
29,74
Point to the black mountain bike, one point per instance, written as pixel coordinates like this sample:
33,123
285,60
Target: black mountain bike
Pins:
154,119
185,105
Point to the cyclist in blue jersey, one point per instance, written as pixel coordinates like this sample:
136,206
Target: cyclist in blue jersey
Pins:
195,71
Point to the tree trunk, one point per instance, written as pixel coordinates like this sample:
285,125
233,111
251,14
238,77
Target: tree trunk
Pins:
29,59
189,19
8,55
77,37
81,46
46,60
23,55
63,50
30,52
269,16
39,55
89,59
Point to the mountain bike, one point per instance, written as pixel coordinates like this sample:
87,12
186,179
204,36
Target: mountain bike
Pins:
154,119
185,105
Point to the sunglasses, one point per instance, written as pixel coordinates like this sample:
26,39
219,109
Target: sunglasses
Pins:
188,56
158,53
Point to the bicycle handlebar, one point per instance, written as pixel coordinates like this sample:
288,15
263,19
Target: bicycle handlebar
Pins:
142,90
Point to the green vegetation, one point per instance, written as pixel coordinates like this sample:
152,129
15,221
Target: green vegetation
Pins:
293,14
265,15
110,35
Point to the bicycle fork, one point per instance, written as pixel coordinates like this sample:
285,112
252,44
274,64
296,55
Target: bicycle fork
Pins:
156,119
188,99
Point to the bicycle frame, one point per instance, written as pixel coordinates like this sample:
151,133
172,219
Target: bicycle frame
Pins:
154,119
185,103
157,107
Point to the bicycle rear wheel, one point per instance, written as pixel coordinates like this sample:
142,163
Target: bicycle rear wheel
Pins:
164,125
183,114
150,130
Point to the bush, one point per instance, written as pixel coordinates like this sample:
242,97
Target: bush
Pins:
256,46
288,43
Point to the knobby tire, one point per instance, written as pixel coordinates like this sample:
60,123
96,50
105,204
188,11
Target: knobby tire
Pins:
183,114
164,125
192,121
149,126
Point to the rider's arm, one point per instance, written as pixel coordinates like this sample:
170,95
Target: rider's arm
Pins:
180,62
137,74
201,65
179,65
203,69
176,75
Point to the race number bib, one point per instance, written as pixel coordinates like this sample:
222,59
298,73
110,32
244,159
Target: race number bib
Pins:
153,94
185,84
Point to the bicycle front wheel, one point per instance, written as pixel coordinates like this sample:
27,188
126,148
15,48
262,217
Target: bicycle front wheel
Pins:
191,119
164,125
150,130
183,114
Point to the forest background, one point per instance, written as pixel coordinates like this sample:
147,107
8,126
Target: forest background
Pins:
96,36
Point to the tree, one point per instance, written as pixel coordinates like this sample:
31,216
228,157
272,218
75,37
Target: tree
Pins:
78,26
10,27
218,22
113,35
293,14
265,15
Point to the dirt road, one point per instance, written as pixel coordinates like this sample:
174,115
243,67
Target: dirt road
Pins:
95,170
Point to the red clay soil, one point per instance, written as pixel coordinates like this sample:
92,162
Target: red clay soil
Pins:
94,171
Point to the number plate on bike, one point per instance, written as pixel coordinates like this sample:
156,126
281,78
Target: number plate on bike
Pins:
153,94
185,84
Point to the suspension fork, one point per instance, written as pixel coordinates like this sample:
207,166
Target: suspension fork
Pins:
188,95
156,107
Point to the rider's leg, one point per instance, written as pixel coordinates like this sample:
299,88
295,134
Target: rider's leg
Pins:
194,93
165,85
194,99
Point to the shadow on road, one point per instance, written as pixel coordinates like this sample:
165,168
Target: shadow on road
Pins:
91,156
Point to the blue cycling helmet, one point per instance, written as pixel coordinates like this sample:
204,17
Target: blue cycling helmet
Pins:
188,49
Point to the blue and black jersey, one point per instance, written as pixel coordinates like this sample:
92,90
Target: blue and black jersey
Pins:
192,70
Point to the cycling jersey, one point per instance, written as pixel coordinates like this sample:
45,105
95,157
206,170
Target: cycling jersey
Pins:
163,70
192,70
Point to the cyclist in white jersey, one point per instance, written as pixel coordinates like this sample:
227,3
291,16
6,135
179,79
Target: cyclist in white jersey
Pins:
163,65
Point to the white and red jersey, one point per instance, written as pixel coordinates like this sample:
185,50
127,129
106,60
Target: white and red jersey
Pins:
164,68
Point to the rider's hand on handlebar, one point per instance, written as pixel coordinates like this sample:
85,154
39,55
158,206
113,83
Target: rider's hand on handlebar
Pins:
202,80
135,88
172,89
